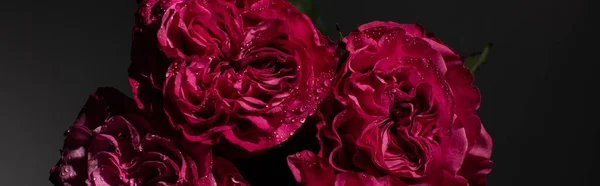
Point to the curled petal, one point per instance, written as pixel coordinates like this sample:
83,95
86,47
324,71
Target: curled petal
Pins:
226,174
310,170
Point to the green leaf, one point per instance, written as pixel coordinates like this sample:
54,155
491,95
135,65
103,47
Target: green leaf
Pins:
474,61
310,8
339,31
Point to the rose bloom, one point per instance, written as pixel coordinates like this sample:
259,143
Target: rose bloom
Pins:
404,105
248,70
111,144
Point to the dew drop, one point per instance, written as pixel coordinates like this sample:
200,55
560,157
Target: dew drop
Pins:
235,180
303,108
302,120
320,90
327,82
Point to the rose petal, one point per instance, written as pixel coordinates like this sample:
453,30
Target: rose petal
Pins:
309,169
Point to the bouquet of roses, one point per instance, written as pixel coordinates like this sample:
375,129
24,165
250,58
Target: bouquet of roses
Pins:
250,92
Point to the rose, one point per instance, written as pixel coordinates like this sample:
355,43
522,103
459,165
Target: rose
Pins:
248,70
111,143
405,106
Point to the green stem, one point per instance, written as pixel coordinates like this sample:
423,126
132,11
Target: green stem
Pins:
337,27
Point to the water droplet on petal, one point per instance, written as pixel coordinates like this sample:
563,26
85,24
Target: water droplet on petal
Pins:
313,111
303,108
327,82
235,180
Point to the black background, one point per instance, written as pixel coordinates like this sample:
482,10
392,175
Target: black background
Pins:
539,86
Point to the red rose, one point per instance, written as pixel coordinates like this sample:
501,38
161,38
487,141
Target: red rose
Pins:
248,70
405,106
111,143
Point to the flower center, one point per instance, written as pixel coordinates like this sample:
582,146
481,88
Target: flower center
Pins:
409,129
